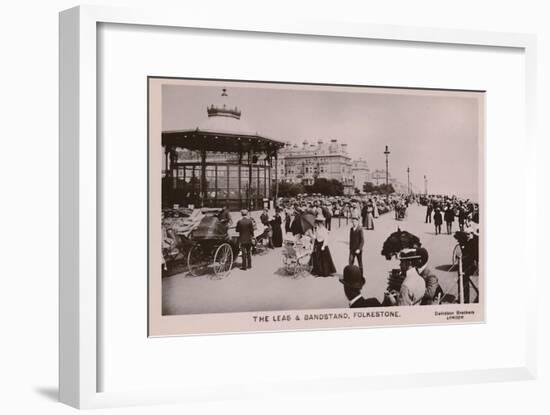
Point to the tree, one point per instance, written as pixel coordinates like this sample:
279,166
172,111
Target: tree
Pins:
326,187
386,189
369,187
287,189
337,188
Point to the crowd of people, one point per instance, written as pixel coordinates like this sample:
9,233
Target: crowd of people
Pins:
309,220
447,209
419,285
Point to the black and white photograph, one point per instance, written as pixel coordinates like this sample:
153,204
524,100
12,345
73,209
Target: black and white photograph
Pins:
277,206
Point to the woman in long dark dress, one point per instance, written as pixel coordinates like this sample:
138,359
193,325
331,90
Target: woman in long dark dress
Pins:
275,223
322,264
364,215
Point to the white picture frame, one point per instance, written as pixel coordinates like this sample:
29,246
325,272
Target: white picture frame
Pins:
79,169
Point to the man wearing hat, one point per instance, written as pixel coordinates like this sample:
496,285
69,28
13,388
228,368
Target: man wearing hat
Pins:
429,210
356,243
353,282
245,228
325,210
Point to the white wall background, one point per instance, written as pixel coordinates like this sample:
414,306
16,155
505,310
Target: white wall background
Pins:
28,208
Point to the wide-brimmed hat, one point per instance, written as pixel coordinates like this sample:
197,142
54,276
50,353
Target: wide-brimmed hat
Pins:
408,253
353,278
244,212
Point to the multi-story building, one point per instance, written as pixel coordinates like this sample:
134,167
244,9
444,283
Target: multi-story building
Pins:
360,172
378,177
305,163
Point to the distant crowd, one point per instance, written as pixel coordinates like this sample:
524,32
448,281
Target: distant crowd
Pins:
449,209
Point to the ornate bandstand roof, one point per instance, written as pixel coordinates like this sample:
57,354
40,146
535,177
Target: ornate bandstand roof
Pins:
224,131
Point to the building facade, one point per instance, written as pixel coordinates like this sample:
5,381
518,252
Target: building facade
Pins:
378,177
310,161
360,172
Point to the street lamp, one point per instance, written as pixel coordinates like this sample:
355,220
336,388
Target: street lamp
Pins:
408,180
425,185
387,153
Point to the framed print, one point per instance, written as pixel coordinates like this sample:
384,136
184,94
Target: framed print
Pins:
316,209
309,184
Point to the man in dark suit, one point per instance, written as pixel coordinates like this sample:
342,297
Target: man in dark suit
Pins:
328,216
245,228
353,282
449,217
356,243
429,210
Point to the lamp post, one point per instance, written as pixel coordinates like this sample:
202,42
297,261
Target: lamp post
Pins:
408,180
387,153
425,185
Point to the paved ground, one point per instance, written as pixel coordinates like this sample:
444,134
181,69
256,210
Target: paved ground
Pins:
267,287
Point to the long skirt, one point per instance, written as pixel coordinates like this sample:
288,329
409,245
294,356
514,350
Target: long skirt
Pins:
369,221
322,264
277,235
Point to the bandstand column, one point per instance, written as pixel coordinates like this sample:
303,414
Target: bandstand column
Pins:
173,167
276,177
203,189
166,160
240,190
216,184
249,198
267,172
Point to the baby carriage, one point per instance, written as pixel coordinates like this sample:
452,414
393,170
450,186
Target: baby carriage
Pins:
297,256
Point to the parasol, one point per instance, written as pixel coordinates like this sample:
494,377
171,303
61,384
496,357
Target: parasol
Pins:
302,222
399,240
307,221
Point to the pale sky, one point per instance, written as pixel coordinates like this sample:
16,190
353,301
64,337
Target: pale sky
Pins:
435,135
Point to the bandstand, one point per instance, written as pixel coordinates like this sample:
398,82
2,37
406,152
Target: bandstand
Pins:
219,163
